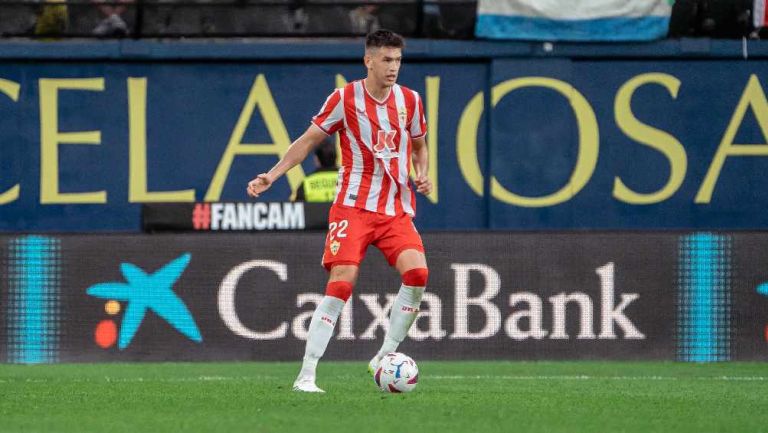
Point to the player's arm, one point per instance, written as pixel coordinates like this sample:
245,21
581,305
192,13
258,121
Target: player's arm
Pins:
297,152
420,157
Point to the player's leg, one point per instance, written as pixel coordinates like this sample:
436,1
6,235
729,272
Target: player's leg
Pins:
412,266
345,245
401,244
339,289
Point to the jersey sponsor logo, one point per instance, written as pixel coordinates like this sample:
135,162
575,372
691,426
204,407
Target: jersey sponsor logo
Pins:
249,216
384,140
385,147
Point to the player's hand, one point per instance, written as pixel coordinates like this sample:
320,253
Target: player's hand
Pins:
258,185
423,184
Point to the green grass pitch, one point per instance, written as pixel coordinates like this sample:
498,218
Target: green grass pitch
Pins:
462,397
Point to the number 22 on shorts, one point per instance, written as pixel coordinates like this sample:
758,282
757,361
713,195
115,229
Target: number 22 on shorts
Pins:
336,230
341,226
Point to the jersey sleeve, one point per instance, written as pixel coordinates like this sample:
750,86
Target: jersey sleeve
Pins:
418,126
331,116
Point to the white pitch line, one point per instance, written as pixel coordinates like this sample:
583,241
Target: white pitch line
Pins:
584,377
144,379
579,377
426,377
191,379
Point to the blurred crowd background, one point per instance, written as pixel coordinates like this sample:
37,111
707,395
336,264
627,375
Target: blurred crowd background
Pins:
233,18
454,19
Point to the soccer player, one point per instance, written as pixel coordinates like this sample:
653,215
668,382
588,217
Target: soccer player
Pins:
382,129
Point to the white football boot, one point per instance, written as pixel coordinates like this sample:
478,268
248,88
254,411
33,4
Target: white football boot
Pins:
306,384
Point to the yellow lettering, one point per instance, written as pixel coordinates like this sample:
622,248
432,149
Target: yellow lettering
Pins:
651,137
51,138
589,142
259,96
754,98
10,89
466,144
137,121
433,102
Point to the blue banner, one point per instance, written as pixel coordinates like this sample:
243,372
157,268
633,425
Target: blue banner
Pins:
559,144
85,145
628,144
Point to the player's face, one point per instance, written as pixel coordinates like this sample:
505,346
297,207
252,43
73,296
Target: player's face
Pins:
384,64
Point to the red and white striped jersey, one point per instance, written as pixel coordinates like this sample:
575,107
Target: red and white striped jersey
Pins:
759,14
376,141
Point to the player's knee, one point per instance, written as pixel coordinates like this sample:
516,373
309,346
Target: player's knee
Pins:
339,289
343,272
416,277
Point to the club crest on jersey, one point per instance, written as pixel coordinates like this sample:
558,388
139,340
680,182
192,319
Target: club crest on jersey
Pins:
385,145
335,245
402,115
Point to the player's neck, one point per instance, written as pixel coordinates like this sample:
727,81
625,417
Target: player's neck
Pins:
377,91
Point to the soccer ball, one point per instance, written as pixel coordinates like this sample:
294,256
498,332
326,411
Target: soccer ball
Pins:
397,372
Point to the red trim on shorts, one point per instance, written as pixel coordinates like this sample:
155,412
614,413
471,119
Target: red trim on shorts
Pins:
392,259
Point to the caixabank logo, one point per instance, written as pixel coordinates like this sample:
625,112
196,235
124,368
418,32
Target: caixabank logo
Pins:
142,293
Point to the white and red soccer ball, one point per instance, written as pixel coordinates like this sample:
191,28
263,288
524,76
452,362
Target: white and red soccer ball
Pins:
397,372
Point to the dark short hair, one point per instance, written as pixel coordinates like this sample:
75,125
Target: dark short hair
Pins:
326,153
384,38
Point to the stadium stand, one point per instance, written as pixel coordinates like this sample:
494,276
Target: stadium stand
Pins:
454,19
711,18
235,18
